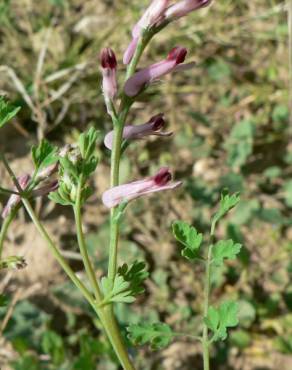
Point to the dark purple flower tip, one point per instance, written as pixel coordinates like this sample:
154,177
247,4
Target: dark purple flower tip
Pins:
178,54
108,59
204,3
162,177
157,122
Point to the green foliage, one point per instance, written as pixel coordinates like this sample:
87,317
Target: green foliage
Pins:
119,291
53,345
227,202
3,300
12,262
90,350
158,335
240,143
44,154
27,362
189,237
218,320
287,189
225,249
87,143
127,284
135,275
7,112
75,168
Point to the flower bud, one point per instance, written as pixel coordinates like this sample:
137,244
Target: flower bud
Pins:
139,80
152,127
126,192
108,67
184,7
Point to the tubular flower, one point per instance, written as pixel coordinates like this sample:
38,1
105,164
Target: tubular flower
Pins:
147,75
109,68
15,199
152,127
126,192
46,188
152,16
184,7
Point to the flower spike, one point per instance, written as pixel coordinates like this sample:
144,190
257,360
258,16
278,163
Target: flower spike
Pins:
152,127
139,80
127,192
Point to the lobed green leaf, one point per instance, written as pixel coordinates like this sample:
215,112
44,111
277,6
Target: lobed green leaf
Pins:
189,237
7,112
218,320
225,249
158,335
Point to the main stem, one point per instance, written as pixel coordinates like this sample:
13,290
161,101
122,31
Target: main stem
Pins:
205,338
207,288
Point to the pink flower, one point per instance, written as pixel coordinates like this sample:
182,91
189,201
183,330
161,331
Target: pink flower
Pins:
152,127
144,77
151,17
128,55
126,192
153,14
184,7
15,199
109,68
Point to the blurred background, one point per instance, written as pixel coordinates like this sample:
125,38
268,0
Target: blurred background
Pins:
230,118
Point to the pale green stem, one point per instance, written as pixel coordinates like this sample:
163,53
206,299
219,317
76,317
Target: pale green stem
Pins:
205,339
7,191
4,228
207,288
57,254
82,245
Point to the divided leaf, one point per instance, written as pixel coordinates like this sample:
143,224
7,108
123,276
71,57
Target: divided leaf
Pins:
7,111
119,292
227,202
218,320
44,154
189,237
135,275
87,142
158,335
225,249
127,284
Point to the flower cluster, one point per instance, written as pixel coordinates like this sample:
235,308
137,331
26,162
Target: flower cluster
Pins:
159,14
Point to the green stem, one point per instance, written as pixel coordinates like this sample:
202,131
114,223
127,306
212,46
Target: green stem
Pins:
207,288
4,228
7,191
57,254
205,340
82,245
111,327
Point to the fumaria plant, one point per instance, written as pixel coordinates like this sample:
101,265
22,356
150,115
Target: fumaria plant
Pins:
64,175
